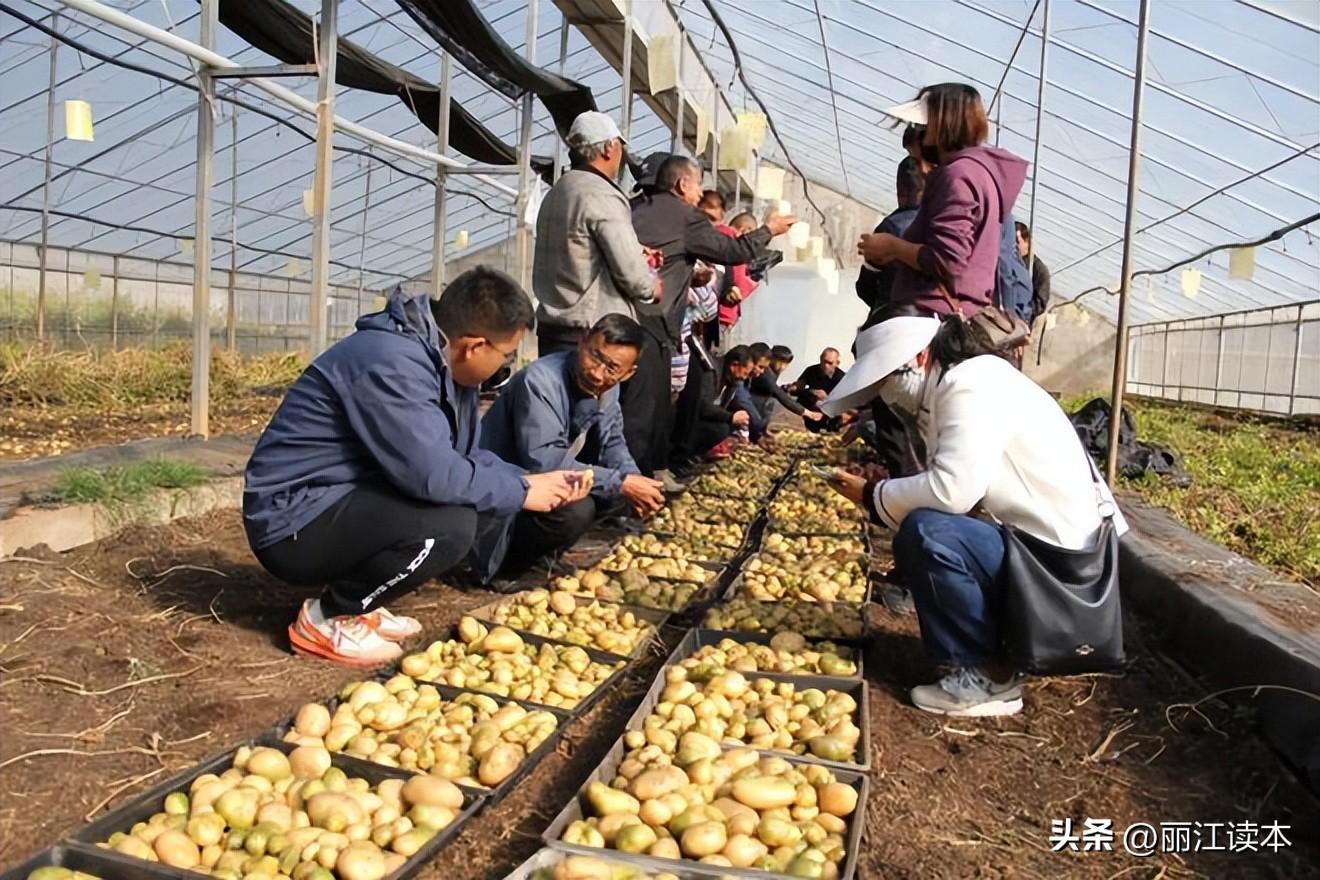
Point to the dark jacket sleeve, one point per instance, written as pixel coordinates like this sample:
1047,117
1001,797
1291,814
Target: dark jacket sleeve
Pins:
402,427
1040,288
704,241
764,386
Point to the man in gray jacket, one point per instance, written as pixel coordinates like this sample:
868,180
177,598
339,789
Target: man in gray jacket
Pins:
588,261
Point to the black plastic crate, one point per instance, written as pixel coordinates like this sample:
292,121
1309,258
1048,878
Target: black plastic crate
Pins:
605,772
853,687
698,638
142,808
493,795
97,862
654,616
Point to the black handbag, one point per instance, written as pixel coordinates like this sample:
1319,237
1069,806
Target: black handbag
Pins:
1062,611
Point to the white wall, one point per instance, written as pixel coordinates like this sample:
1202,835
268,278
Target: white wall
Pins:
796,307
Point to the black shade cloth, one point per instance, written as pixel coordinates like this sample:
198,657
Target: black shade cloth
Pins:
459,27
284,32
1135,457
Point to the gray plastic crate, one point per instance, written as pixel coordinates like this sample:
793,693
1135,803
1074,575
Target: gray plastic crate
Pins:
853,687
698,638
605,773
548,858
97,862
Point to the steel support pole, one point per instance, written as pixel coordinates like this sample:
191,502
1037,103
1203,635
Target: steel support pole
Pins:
715,140
1297,365
114,304
45,189
231,313
563,62
362,244
678,142
327,55
201,305
1040,121
1129,227
625,99
439,224
524,243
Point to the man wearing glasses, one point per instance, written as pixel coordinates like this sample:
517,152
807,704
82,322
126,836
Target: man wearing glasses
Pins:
562,412
370,479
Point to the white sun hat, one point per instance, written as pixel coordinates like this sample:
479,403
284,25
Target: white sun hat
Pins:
881,350
913,112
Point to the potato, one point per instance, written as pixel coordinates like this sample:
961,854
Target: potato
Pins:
309,762
764,793
703,839
430,791
312,719
636,838
499,763
361,860
837,799
269,763
174,848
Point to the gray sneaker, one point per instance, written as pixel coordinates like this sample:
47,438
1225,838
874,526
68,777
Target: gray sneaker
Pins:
671,485
969,693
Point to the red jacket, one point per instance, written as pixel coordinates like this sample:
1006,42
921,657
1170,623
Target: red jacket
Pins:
730,312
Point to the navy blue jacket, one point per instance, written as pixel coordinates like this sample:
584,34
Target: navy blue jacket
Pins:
378,406
873,285
542,411
735,397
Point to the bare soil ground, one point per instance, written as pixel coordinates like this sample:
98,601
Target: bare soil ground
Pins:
32,432
123,662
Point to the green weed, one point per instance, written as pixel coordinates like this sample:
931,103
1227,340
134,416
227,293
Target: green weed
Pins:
125,484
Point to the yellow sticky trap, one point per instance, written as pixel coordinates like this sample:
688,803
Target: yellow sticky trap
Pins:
1191,282
92,279
461,239
734,152
703,130
661,66
1051,321
783,206
78,120
186,247
769,183
1242,263
294,267
309,203
753,126
1083,317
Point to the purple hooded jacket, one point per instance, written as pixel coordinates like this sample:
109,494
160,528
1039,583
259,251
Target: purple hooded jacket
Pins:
958,228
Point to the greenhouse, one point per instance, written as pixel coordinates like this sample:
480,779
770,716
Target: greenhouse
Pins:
570,439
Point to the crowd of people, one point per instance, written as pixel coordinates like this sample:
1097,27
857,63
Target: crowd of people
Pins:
378,472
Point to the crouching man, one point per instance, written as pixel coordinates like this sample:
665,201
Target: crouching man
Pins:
370,477
562,411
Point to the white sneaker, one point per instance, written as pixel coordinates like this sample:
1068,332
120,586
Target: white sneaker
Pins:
969,692
350,640
393,627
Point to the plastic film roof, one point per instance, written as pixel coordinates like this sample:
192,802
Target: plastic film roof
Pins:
1233,89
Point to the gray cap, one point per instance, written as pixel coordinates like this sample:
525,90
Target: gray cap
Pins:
592,127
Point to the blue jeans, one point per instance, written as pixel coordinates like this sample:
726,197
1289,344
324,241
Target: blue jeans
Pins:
951,564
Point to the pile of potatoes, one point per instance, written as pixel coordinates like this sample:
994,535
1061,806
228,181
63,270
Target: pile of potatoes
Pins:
674,568
497,661
688,549
562,616
688,523
294,816
732,809
788,653
777,572
631,586
470,740
740,482
51,872
791,512
817,620
761,713
565,866
714,508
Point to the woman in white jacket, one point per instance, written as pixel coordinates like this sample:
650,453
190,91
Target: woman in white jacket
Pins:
996,441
